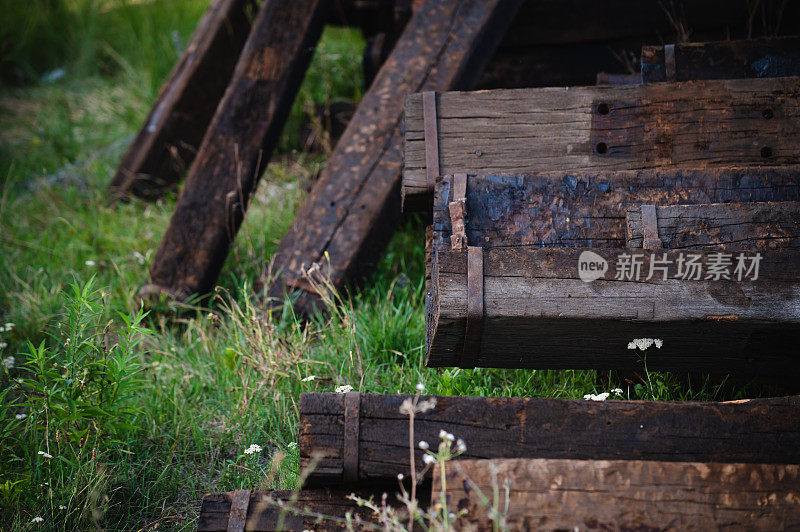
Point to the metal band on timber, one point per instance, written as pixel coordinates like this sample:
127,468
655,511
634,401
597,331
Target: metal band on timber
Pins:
458,213
669,62
352,404
431,136
650,227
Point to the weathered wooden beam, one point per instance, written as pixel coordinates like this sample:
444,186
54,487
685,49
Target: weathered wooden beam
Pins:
271,511
732,226
749,122
353,208
621,495
562,308
767,57
236,147
172,132
761,430
588,208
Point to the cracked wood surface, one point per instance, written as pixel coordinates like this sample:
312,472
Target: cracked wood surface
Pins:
623,495
732,226
540,314
760,430
748,122
588,208
353,208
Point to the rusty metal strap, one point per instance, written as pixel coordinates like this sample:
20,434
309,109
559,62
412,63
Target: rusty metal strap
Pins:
352,404
458,213
240,501
474,327
669,62
650,239
431,137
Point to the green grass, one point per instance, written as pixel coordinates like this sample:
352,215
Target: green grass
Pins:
207,382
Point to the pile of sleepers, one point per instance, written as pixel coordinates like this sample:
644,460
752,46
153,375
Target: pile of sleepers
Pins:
568,464
639,226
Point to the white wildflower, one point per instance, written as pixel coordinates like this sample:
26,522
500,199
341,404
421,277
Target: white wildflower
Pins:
400,476
139,257
461,446
599,397
420,387
21,416
309,378
292,445
255,448
46,455
452,516
9,326
442,434
426,406
617,391
62,507
344,389
643,343
89,263
423,445
659,342
8,362
428,459
37,519
3,345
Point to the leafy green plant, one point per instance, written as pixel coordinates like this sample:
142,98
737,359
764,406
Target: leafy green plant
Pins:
73,404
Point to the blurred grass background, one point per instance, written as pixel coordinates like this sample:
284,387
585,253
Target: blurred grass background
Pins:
77,78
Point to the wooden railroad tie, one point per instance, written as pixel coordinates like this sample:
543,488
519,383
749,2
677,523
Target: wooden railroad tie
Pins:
702,124
354,207
756,431
546,494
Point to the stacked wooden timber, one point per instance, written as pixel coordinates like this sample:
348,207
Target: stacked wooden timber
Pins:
575,459
590,217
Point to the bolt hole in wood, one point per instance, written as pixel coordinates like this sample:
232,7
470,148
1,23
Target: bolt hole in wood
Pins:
766,152
603,108
767,113
602,148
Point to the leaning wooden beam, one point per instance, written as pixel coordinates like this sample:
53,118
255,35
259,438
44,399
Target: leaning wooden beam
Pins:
376,433
588,208
237,147
768,57
172,132
565,308
353,208
749,122
616,495
271,511
735,226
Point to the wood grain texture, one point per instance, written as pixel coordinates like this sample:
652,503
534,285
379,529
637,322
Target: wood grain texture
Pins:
172,132
588,208
236,147
767,57
732,226
353,208
540,314
264,514
690,124
761,430
624,495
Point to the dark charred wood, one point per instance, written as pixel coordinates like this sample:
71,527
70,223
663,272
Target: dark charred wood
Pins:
236,147
760,430
168,141
776,57
617,495
588,209
354,207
